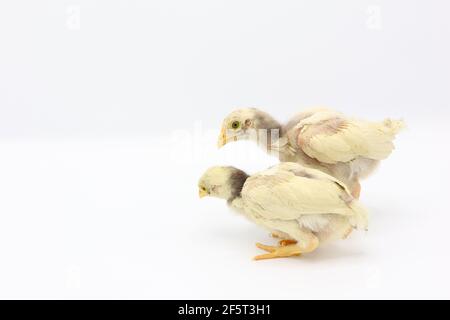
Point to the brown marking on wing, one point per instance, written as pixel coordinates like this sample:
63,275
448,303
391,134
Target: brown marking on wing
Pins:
327,127
303,173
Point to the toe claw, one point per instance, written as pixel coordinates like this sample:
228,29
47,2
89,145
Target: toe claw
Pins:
264,256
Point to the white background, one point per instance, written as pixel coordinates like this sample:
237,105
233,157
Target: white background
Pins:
109,112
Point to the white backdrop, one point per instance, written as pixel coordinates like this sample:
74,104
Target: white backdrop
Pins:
109,112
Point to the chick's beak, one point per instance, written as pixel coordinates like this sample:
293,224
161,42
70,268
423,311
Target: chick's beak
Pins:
202,193
222,138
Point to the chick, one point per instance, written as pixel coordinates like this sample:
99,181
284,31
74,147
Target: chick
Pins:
305,207
320,138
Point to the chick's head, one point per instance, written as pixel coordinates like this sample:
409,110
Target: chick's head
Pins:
221,182
244,124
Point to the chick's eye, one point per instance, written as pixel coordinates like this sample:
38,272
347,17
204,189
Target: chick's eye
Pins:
235,124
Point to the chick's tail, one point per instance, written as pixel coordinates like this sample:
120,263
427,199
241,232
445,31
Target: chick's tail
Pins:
392,127
360,218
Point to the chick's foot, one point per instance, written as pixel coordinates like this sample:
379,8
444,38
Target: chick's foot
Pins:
278,252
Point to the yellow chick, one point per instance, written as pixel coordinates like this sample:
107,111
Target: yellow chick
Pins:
302,206
345,148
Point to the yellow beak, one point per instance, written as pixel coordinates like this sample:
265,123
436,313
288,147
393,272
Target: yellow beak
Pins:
222,138
202,193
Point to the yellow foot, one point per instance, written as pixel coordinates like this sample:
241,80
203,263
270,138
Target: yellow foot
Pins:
286,242
278,252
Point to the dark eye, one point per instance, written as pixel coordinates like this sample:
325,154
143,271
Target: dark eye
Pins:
235,124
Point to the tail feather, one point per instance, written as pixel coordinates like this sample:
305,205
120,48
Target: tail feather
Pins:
394,126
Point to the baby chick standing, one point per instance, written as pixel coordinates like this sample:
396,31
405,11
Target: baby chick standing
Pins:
302,206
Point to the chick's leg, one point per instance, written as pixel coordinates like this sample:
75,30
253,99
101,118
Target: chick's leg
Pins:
285,239
289,248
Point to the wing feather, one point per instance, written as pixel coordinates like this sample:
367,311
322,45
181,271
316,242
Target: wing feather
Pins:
335,139
289,190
